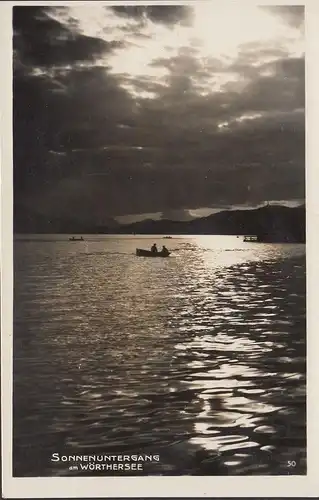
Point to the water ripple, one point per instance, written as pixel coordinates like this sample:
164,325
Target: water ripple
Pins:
200,358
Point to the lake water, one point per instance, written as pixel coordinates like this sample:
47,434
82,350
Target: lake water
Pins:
199,358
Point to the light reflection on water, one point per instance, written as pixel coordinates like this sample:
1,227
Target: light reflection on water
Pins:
199,357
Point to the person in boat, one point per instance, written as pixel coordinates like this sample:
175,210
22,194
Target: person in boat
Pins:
154,248
164,250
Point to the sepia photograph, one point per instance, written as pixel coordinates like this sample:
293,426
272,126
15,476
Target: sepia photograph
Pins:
159,220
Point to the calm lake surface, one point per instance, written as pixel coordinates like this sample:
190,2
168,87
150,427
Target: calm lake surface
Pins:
199,358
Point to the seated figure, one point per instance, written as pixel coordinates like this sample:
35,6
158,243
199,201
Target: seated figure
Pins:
164,250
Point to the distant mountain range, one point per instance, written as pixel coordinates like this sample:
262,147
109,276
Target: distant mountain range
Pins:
271,221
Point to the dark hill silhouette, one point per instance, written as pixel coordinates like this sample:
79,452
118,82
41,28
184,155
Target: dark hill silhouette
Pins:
271,222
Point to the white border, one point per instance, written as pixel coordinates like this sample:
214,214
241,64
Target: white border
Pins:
184,486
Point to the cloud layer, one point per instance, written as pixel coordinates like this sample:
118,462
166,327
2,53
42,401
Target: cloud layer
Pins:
129,110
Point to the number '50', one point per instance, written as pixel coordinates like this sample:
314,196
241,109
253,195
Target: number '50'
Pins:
291,463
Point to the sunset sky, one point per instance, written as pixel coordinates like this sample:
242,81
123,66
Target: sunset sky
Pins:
157,111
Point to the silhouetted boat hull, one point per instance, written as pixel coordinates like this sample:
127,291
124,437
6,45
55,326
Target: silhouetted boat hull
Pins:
76,239
269,238
147,253
251,239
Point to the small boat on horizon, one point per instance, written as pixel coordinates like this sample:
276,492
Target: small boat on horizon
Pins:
272,238
250,238
140,252
76,239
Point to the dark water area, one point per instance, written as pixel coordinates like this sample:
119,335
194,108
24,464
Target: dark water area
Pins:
199,358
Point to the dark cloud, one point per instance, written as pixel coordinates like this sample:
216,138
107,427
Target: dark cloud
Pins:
83,144
283,89
179,175
41,40
294,15
58,109
180,107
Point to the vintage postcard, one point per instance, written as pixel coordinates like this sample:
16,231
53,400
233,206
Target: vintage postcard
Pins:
158,309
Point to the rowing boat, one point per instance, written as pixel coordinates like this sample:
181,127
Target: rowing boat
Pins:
148,253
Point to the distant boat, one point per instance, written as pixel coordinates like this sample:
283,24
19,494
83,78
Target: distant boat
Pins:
167,238
251,239
148,253
272,238
76,239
